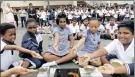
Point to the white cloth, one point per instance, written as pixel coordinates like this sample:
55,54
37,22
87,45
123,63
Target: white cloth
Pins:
6,57
117,47
115,27
75,28
83,28
9,15
101,27
22,13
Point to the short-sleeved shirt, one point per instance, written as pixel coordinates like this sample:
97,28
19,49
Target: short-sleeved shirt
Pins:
63,42
116,47
6,57
91,43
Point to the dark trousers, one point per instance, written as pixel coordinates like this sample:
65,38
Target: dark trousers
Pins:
23,20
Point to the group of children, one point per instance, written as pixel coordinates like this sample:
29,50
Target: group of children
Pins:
58,50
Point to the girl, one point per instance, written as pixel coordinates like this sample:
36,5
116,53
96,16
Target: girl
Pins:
32,41
84,26
58,51
8,35
91,41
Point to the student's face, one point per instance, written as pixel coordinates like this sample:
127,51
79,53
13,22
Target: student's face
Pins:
125,35
85,22
8,5
62,22
10,35
74,22
112,21
93,26
32,27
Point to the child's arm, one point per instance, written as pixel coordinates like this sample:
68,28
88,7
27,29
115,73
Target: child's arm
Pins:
71,38
21,49
15,47
56,40
80,42
16,70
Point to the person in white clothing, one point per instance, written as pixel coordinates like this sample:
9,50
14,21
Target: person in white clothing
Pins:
111,28
74,27
122,48
9,14
23,15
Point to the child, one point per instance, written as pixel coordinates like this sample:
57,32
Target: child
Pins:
32,41
58,51
74,27
84,26
91,41
8,35
111,28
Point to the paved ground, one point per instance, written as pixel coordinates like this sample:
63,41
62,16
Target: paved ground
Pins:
20,32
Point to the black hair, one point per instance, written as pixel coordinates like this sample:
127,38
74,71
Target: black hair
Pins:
5,26
30,4
93,18
74,19
29,21
128,24
62,15
112,18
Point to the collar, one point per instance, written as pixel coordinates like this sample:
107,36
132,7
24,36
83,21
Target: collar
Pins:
7,42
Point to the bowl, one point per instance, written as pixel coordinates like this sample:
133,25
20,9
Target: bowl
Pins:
89,68
116,62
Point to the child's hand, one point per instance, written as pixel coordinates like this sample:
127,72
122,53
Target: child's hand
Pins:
36,55
81,61
106,69
55,46
22,71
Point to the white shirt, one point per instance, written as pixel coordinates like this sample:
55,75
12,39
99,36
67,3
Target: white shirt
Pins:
43,15
110,27
116,47
75,28
9,15
101,27
83,28
22,13
6,57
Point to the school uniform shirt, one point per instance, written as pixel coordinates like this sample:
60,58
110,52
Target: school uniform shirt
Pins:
22,13
101,27
70,16
126,56
131,14
83,28
75,28
63,42
91,43
31,42
111,28
6,56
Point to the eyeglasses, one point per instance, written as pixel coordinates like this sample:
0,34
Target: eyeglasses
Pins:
32,27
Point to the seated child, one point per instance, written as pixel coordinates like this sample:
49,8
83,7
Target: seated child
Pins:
58,50
32,41
91,41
